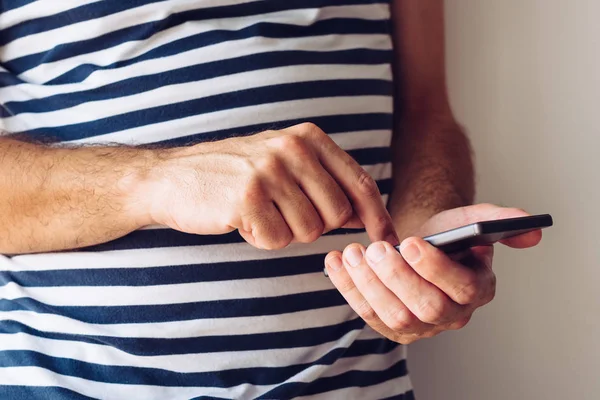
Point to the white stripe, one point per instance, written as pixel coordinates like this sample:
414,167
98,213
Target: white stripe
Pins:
40,377
170,294
220,51
184,363
370,362
244,116
33,376
363,139
172,94
383,390
38,9
125,51
89,29
186,329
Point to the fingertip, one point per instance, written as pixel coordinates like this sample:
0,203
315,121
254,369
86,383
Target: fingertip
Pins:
333,262
524,241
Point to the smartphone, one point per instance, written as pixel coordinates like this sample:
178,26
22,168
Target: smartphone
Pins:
486,233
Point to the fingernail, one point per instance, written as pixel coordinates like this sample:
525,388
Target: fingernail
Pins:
353,256
392,239
411,253
335,263
375,253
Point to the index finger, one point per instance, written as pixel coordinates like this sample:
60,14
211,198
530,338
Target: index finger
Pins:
360,187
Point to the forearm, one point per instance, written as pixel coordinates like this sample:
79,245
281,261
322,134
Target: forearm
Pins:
432,171
432,162
55,198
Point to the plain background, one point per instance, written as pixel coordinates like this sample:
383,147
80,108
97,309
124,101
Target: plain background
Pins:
524,78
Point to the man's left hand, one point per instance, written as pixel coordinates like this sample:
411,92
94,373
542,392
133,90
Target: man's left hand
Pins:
422,291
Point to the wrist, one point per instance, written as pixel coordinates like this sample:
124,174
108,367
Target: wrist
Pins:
138,185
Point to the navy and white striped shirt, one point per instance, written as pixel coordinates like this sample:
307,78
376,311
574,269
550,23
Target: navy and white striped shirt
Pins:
160,314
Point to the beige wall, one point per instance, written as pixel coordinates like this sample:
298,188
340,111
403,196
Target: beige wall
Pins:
525,80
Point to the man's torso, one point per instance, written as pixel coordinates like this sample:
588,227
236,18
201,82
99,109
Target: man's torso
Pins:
161,314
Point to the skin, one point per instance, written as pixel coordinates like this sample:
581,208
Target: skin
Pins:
59,198
422,292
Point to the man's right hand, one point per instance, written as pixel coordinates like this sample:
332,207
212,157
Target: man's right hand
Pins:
275,187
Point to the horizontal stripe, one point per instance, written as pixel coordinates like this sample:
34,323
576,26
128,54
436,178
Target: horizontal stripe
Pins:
178,94
332,124
183,311
178,48
140,376
26,376
264,29
223,378
21,11
100,17
352,378
98,293
168,275
37,324
172,256
15,4
14,392
204,344
219,102
400,386
193,57
410,395
71,16
355,62
198,362
37,376
366,112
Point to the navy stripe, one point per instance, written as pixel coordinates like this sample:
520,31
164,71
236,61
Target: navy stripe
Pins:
8,79
147,239
100,9
206,344
141,32
140,314
371,346
219,102
14,392
13,5
270,30
71,16
167,275
410,395
348,379
224,378
199,72
330,124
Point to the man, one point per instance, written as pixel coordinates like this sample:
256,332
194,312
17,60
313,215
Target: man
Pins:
174,174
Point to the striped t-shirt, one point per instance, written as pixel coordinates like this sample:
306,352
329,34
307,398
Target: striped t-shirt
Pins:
160,314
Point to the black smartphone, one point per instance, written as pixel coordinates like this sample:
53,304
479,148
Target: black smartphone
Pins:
486,233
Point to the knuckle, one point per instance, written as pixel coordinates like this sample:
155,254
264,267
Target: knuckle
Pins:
310,129
343,215
253,192
292,144
269,164
460,324
367,185
399,321
277,242
467,292
311,234
431,309
366,312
